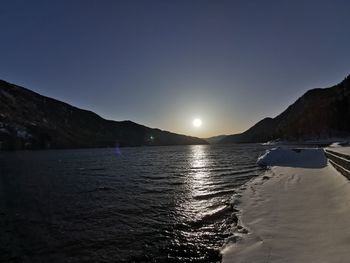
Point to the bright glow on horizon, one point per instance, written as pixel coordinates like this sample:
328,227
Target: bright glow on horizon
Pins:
197,122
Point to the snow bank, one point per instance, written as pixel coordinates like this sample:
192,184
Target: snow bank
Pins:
295,215
337,144
342,150
306,158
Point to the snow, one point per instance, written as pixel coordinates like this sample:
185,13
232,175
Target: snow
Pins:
342,150
325,141
298,211
297,215
306,158
337,144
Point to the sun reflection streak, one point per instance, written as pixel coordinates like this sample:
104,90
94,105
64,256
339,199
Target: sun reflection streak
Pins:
199,165
199,178
194,204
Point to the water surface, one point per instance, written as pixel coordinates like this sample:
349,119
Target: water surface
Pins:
145,204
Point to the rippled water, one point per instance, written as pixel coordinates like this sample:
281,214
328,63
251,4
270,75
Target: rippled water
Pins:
146,204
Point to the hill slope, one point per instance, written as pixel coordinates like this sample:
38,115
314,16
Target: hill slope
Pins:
29,120
318,114
215,139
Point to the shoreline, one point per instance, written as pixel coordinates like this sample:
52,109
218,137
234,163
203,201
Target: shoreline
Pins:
294,214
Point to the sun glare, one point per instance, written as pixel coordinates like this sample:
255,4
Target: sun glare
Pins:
197,123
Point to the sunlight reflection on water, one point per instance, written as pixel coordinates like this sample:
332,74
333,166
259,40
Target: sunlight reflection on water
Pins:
199,171
199,175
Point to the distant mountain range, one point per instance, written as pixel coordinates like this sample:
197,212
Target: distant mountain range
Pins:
215,139
32,121
318,114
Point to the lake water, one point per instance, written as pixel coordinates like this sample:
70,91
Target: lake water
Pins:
145,204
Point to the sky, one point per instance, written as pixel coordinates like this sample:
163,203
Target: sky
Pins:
164,63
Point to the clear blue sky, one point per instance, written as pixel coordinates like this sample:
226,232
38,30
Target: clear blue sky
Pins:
163,63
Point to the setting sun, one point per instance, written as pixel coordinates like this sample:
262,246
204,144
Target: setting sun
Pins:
197,123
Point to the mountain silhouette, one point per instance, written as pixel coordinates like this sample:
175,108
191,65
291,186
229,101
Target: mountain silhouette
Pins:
31,121
318,114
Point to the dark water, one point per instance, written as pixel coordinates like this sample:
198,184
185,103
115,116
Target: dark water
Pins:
147,204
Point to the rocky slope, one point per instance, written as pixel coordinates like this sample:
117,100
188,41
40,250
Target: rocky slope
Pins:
318,114
32,121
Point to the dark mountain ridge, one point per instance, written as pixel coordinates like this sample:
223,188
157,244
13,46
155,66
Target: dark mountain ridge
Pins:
29,120
318,114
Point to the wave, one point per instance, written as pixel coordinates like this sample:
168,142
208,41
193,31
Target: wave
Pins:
214,194
238,172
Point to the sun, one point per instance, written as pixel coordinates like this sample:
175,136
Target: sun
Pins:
197,123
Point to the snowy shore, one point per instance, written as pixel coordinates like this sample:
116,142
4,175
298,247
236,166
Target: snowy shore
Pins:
294,213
